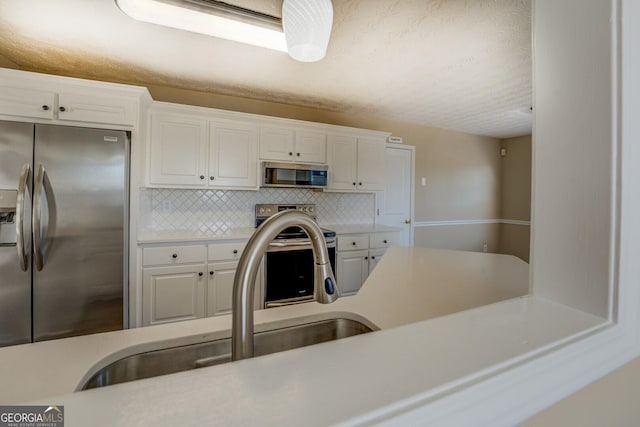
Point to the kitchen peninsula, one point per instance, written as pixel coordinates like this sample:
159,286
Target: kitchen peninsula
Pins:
352,376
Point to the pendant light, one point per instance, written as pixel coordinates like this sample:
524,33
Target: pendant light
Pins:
307,28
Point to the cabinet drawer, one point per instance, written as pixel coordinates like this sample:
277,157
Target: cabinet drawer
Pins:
383,240
352,242
174,255
224,251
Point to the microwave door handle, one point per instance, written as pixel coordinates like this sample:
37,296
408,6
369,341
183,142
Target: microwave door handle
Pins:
22,192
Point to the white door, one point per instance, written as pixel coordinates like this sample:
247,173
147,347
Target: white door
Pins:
394,204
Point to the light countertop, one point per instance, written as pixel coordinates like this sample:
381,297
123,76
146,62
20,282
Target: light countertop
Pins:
411,353
243,233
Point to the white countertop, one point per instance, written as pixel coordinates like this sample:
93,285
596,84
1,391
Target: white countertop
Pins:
177,236
352,376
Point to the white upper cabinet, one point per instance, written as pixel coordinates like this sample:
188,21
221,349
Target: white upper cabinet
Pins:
290,145
233,153
196,147
26,102
371,164
356,164
178,150
277,144
96,108
38,96
187,150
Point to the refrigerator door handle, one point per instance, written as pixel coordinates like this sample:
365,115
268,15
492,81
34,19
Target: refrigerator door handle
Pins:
42,185
22,192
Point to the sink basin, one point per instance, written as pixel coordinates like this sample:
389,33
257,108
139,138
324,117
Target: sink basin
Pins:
183,358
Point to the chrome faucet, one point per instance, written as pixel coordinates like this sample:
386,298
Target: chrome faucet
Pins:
324,288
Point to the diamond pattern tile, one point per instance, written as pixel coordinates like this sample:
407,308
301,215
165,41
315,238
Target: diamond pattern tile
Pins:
218,211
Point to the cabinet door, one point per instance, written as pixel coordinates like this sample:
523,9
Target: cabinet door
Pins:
233,156
353,268
170,294
375,255
26,102
311,147
178,150
220,287
96,108
277,144
371,164
342,152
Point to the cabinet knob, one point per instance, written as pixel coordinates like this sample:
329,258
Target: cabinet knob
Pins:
290,153
373,257
211,273
62,109
366,257
200,273
359,183
45,107
384,241
212,178
174,255
298,154
354,183
201,176
235,251
353,243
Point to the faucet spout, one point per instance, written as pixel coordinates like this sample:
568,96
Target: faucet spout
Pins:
325,289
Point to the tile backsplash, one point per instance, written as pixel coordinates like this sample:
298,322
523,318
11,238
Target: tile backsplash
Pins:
217,211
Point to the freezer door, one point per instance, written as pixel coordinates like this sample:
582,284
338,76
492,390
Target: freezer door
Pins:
80,198
16,148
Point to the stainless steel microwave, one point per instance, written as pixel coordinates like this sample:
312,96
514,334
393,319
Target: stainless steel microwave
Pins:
294,175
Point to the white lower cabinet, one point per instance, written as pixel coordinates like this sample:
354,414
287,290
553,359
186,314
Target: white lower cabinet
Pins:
173,293
356,257
184,282
352,270
220,287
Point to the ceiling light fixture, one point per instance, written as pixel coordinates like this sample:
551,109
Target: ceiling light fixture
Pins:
307,28
307,23
212,18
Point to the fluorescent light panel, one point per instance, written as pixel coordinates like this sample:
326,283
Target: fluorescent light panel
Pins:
200,16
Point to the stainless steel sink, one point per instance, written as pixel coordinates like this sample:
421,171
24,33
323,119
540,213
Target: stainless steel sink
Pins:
183,358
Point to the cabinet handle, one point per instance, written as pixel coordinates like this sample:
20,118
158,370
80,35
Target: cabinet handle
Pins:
45,107
174,256
62,109
235,251
200,273
201,176
212,178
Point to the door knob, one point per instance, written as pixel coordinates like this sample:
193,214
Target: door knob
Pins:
407,221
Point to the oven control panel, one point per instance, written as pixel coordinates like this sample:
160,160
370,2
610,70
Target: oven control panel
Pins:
265,211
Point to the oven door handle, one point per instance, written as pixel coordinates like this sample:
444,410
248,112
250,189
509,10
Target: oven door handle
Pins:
284,245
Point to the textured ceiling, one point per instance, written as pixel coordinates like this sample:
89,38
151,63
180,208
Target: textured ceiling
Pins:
463,65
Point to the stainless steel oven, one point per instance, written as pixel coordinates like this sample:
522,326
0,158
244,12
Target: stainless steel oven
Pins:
288,262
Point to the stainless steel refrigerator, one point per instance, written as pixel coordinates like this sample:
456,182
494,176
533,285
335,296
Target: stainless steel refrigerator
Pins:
63,231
